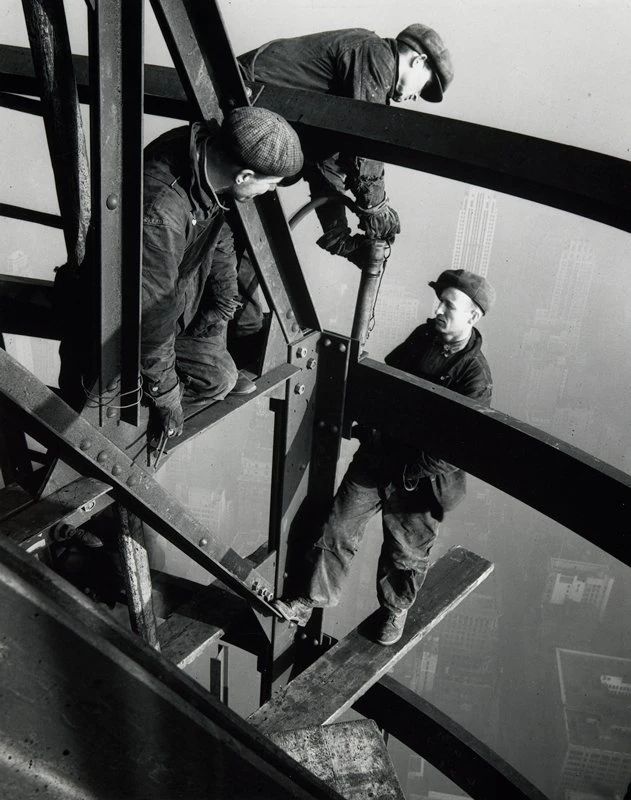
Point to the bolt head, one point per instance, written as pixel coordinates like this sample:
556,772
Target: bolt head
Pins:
85,444
111,412
112,202
342,348
301,352
295,327
132,480
299,388
117,470
327,342
102,457
311,363
203,542
334,429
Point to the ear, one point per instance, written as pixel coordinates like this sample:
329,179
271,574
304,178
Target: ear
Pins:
243,175
476,315
419,59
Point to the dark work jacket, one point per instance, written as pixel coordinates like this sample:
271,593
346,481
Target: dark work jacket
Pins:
353,62
185,242
466,372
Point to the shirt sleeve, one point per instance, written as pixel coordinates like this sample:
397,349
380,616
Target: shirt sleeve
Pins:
368,71
220,299
163,249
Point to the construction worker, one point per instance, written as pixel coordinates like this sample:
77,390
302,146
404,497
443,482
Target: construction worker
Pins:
192,175
353,63
412,488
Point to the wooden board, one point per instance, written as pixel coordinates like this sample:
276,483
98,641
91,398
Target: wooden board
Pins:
350,757
331,685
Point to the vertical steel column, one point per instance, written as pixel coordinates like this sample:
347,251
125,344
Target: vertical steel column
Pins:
15,461
219,674
52,60
116,62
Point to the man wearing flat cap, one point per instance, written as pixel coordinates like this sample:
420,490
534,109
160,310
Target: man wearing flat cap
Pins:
192,175
412,488
353,63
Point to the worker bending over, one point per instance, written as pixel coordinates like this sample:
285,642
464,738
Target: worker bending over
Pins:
358,64
413,488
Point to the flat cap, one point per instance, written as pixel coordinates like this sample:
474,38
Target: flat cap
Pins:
474,286
263,141
426,41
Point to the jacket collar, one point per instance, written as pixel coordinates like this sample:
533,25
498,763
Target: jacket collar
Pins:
473,346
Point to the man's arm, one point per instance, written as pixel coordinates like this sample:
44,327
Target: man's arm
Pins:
221,295
163,249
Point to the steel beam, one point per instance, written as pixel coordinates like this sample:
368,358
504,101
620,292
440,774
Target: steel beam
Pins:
29,215
116,47
27,307
462,758
566,484
580,181
52,59
84,448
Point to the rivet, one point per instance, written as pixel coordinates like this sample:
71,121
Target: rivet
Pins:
290,314
334,429
102,457
295,327
88,506
315,643
299,388
303,467
342,348
255,585
117,469
303,635
111,412
85,444
327,342
203,542
311,363
285,575
322,424
132,480
112,202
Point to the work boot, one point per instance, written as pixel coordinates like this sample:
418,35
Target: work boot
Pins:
243,385
390,626
297,609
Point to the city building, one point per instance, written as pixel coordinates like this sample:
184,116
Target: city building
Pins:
475,231
595,700
578,584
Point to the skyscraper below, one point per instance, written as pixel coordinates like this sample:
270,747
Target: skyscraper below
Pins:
475,232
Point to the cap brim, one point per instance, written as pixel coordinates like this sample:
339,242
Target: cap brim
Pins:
433,89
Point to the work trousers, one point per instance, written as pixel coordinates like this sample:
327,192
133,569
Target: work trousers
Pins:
410,525
205,368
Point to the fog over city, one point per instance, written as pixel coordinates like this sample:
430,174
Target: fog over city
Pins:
537,662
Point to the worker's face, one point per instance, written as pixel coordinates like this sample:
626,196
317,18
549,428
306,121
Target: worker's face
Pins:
455,314
413,77
248,184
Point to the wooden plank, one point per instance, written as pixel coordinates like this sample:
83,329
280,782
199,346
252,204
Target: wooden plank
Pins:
133,552
350,757
207,617
331,685
28,528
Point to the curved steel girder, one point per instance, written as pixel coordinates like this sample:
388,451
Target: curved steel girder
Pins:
572,179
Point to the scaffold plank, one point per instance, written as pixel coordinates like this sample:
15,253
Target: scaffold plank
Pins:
351,757
29,527
331,685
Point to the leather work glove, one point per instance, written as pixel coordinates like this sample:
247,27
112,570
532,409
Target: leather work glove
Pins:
168,417
340,242
381,222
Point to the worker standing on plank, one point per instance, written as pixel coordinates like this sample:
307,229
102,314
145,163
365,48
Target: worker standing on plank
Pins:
412,488
353,63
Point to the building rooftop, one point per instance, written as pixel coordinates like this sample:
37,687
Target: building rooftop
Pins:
596,696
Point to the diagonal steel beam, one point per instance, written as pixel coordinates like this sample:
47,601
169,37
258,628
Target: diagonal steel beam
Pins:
52,422
196,36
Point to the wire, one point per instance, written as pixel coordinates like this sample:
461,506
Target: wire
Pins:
103,400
